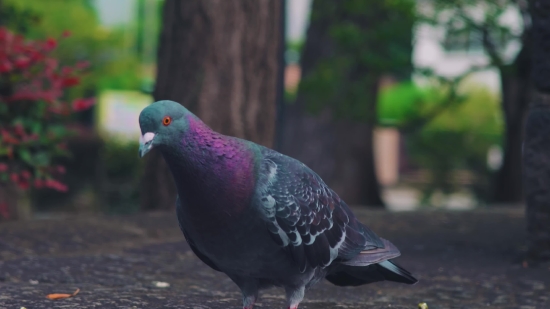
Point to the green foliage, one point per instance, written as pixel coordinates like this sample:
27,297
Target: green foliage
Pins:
404,102
122,173
15,18
114,65
369,39
295,46
459,139
473,23
293,51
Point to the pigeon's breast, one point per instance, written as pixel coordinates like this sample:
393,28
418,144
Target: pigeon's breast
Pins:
219,184
216,179
238,244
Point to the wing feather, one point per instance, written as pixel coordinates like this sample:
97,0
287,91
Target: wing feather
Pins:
305,216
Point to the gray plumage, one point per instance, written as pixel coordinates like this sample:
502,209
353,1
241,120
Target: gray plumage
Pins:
261,217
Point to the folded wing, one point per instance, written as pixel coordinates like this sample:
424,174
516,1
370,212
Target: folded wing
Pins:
309,219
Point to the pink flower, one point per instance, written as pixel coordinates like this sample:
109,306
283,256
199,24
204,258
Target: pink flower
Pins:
35,55
19,130
51,64
5,66
38,183
8,138
23,184
26,174
82,104
14,177
83,64
56,185
3,167
70,81
66,70
22,62
50,44
4,33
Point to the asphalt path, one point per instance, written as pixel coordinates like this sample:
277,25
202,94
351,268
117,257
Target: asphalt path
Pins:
463,259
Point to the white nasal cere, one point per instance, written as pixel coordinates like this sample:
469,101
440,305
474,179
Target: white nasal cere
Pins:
146,138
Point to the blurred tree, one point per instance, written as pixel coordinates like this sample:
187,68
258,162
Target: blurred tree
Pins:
470,24
350,46
449,125
114,63
536,151
16,18
34,118
219,59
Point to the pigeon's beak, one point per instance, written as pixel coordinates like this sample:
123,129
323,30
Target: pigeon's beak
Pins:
145,143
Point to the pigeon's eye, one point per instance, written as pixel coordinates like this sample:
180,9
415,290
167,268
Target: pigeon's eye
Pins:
166,121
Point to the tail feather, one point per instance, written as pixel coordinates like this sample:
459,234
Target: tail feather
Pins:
396,273
370,266
345,275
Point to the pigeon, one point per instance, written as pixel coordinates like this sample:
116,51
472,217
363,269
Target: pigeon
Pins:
261,217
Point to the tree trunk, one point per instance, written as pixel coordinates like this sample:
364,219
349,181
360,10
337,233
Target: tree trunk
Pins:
536,151
219,59
355,166
515,83
339,150
306,137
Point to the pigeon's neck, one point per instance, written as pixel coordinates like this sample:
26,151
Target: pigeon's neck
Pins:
212,170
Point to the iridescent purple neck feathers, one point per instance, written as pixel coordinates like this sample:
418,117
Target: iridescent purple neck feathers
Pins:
210,169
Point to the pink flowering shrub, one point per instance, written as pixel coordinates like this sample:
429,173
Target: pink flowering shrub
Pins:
34,112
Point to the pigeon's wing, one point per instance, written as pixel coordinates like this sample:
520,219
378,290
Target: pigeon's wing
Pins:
307,217
190,242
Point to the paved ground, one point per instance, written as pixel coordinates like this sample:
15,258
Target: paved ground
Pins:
463,260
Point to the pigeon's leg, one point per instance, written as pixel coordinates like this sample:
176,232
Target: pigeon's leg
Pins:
249,287
294,296
249,299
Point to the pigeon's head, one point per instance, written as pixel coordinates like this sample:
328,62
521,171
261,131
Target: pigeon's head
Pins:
161,123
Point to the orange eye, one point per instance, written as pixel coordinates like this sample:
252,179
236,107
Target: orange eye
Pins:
166,121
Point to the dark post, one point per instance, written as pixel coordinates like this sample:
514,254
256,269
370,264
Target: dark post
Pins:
536,150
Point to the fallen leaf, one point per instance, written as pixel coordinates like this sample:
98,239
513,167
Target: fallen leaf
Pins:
61,295
422,306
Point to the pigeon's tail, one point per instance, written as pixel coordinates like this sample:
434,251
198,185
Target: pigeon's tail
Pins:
396,273
371,266
359,275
